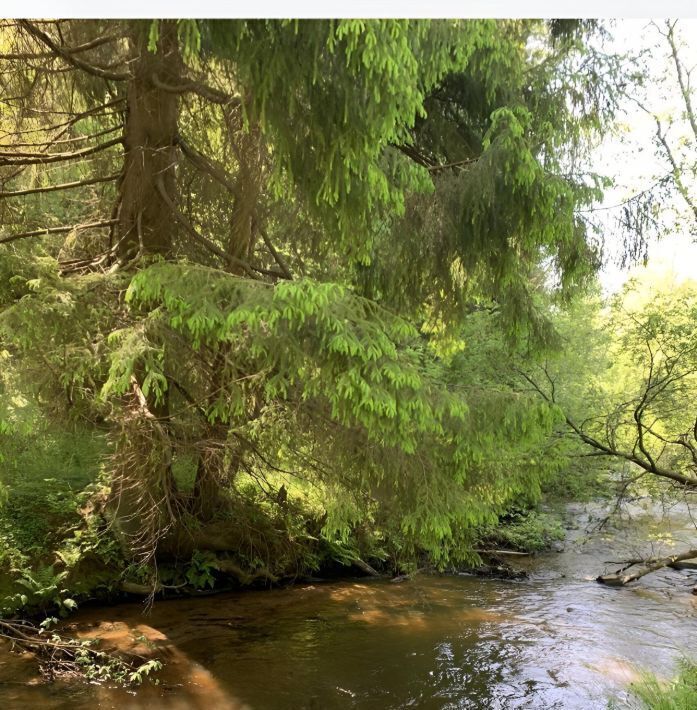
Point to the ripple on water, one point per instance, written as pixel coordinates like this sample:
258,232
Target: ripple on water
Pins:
555,640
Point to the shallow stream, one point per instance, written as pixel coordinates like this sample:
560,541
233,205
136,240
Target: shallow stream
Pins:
556,639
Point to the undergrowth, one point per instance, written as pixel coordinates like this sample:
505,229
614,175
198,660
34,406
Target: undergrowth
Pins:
678,694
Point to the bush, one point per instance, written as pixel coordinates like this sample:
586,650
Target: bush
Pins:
525,531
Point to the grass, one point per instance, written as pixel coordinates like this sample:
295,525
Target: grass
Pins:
678,694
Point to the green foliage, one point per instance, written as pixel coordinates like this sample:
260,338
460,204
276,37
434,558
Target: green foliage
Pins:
627,378
70,656
438,451
46,591
333,95
43,476
103,668
527,531
50,543
510,127
578,478
679,694
199,573
415,177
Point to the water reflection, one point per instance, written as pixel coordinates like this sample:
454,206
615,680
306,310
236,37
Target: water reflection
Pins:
554,640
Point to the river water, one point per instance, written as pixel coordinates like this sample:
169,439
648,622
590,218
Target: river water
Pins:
556,639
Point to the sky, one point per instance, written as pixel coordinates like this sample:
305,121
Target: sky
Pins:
347,8
630,158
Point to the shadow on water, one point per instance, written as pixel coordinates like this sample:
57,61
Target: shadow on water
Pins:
554,640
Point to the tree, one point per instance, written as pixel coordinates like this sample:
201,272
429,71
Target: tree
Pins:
662,192
264,302
637,403
650,372
676,133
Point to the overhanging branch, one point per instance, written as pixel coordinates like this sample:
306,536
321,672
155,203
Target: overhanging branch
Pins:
649,466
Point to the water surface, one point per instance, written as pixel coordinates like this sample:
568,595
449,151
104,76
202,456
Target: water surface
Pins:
554,640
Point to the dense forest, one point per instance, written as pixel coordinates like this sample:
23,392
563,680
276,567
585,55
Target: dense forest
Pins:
284,299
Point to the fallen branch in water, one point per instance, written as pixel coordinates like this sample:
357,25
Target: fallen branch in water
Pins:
617,579
406,577
365,567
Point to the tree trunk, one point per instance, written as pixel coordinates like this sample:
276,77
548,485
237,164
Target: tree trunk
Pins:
146,497
146,223
248,184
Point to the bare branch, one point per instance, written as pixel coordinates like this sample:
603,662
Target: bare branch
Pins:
277,257
191,230
76,139
193,87
70,122
651,565
683,81
609,450
641,406
62,186
70,58
57,230
676,171
416,156
20,158
205,163
92,44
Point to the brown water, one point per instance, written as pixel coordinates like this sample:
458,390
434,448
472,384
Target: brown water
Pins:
554,640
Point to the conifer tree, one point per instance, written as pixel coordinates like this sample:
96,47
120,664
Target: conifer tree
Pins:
268,224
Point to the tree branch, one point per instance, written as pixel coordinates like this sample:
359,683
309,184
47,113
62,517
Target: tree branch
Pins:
57,230
649,466
92,44
675,169
277,257
651,565
684,88
68,56
193,87
66,124
204,163
62,186
191,230
76,139
20,158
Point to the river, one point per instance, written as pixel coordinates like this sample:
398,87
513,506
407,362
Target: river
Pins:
556,639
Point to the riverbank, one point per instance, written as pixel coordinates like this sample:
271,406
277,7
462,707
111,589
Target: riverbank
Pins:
555,639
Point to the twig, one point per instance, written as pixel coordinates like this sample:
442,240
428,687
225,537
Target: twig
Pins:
62,186
57,230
